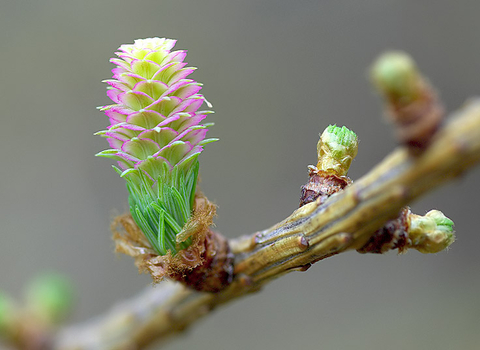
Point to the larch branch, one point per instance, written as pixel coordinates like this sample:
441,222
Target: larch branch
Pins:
313,232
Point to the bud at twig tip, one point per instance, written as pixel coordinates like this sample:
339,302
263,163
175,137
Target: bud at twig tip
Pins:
50,296
431,233
336,149
395,75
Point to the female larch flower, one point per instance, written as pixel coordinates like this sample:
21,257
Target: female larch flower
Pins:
156,136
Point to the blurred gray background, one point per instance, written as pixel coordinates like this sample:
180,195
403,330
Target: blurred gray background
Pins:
277,72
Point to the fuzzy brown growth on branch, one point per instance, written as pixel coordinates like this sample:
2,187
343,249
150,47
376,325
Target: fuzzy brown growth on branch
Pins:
206,265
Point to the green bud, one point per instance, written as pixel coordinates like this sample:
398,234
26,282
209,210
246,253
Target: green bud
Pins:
336,149
50,296
431,233
396,76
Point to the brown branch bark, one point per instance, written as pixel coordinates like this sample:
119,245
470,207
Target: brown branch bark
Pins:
313,232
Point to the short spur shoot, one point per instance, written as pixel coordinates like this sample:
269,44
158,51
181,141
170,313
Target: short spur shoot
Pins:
156,134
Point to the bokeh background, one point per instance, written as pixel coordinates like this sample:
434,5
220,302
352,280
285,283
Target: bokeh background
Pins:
277,72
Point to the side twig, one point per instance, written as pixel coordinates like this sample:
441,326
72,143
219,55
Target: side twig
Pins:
313,232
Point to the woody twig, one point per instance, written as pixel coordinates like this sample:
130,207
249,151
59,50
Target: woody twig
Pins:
345,221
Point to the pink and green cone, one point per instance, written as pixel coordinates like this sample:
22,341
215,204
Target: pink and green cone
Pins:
156,136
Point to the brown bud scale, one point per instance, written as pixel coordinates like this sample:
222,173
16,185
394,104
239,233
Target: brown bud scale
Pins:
393,235
215,272
418,120
322,184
